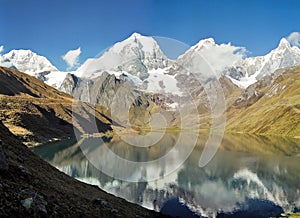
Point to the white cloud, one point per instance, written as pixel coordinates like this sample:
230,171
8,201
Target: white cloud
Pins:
218,57
294,38
72,58
1,48
224,55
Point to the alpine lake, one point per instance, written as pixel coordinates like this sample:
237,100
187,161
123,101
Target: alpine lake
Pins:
248,176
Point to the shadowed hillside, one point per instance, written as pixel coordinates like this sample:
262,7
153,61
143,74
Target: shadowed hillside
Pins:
38,113
30,187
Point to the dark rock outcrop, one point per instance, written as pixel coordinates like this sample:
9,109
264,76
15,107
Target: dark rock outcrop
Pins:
3,161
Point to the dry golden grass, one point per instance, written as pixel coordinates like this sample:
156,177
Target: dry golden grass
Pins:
275,115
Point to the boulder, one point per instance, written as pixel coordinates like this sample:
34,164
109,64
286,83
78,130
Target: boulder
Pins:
34,203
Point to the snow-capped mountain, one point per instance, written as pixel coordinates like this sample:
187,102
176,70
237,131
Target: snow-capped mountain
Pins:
203,63
29,62
140,61
136,55
4,62
248,71
33,64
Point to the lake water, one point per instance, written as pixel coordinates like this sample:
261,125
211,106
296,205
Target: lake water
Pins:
249,175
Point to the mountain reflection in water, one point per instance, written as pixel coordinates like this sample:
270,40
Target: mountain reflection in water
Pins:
247,170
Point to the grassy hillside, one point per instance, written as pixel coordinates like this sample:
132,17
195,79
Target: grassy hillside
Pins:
274,109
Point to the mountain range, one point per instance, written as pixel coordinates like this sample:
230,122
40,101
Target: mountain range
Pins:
140,59
248,71
137,72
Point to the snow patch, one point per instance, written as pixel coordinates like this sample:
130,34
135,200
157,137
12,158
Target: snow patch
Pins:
159,81
55,78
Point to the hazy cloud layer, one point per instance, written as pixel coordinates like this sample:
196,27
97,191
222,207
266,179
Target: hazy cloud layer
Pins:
215,58
294,38
1,48
224,55
72,58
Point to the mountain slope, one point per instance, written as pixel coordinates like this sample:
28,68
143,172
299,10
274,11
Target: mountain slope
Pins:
33,64
38,113
272,108
13,82
118,97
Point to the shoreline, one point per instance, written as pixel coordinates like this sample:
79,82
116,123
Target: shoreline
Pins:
32,187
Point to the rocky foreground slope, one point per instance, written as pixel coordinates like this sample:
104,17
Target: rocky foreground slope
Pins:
30,187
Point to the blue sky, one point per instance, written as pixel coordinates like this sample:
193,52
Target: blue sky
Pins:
52,27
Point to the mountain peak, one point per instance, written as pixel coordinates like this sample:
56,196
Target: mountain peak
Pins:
135,35
136,40
21,52
143,49
208,41
204,43
284,43
28,61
